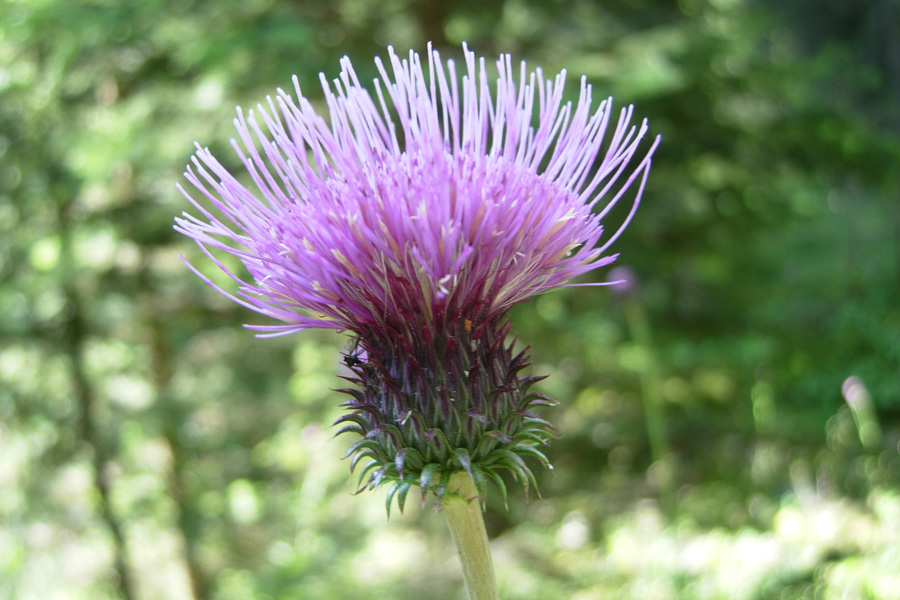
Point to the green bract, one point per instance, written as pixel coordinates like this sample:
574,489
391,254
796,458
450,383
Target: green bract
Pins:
435,409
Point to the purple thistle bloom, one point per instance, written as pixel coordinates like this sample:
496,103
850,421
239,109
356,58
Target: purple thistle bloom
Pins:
416,219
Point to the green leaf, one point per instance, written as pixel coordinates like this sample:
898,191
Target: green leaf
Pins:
367,469
517,471
530,435
480,481
485,446
390,497
372,445
438,444
427,473
537,400
495,477
378,476
442,484
351,428
352,417
513,457
399,460
499,436
360,455
521,448
462,457
401,497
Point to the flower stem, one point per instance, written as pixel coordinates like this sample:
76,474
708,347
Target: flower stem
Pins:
462,507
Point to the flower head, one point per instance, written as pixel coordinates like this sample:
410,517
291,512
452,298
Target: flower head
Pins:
415,218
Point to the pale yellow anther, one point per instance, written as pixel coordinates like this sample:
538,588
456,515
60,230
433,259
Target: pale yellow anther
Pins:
343,260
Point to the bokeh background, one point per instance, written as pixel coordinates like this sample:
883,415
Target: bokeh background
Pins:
729,423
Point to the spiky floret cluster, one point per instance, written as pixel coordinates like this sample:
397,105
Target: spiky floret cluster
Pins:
427,409
415,219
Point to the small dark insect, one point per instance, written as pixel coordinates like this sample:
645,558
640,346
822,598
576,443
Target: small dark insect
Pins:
354,357
352,360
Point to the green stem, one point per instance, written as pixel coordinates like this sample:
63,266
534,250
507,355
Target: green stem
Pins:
462,507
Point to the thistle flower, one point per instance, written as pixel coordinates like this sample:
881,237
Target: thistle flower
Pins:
414,220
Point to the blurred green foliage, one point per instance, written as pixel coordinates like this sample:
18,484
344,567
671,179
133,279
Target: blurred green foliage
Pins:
152,448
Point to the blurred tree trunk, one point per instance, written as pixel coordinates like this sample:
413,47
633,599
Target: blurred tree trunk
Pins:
187,518
75,332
